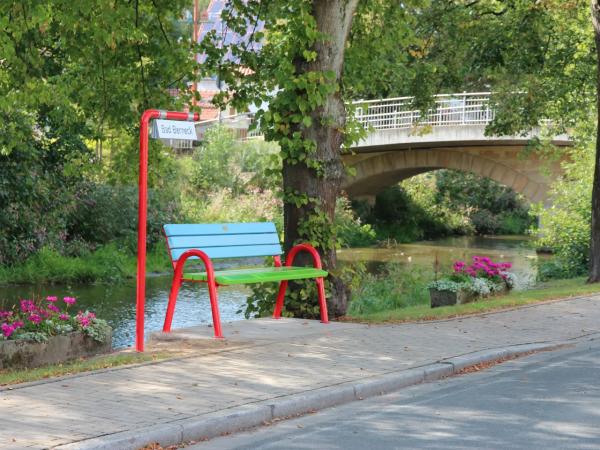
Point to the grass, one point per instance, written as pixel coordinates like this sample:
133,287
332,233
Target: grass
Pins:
551,290
110,263
14,376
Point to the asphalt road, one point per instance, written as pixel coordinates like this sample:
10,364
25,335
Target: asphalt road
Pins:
547,401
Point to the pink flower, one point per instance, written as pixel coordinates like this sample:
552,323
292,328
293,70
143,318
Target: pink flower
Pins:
69,300
84,319
27,306
5,314
459,266
18,324
35,318
7,330
64,317
51,298
53,307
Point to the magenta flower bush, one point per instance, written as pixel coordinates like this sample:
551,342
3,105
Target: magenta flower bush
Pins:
38,320
483,267
482,277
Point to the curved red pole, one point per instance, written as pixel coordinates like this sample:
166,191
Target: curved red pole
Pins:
320,282
307,248
142,211
212,289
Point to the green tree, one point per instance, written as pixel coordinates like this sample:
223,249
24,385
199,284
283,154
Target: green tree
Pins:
298,71
594,274
70,72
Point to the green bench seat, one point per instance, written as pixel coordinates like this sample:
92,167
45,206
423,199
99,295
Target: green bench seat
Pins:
258,275
236,240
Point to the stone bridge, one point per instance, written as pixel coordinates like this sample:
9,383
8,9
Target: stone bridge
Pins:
403,143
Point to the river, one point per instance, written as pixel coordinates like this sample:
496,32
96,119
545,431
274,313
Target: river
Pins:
116,302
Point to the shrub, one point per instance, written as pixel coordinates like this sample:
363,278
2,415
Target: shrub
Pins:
565,226
105,213
223,162
224,206
351,232
34,201
444,203
396,286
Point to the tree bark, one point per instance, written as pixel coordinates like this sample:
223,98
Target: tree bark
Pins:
334,19
594,274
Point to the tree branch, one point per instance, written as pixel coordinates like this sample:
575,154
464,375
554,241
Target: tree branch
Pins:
162,29
139,52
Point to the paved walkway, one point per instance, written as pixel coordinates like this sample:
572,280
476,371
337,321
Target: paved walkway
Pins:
261,360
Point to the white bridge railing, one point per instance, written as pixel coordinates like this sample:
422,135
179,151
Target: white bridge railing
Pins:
392,114
449,110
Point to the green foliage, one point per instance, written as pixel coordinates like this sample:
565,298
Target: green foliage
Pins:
101,64
107,213
491,207
397,286
222,205
34,189
98,329
123,164
565,225
110,263
444,203
381,55
301,301
68,77
227,180
552,290
224,162
351,232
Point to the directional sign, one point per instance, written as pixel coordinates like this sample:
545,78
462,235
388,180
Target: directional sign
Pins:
174,129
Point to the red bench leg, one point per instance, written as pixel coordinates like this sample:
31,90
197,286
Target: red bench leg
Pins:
212,290
214,306
322,300
320,282
279,302
172,300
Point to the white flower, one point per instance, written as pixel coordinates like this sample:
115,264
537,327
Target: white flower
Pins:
481,286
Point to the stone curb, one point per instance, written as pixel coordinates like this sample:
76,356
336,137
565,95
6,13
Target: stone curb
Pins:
246,416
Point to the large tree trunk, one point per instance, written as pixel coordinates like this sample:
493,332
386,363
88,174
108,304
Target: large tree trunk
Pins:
594,275
334,19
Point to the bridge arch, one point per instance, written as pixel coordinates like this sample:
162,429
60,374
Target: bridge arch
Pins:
375,172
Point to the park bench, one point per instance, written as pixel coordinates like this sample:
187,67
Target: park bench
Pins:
236,240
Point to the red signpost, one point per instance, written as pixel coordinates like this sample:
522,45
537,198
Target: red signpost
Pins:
142,212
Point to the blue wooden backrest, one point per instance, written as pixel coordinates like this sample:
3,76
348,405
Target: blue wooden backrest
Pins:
224,240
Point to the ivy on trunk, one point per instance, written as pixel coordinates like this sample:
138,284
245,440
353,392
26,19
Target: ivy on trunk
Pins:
298,71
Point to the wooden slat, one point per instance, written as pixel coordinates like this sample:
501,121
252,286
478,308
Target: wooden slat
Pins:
242,251
211,229
224,240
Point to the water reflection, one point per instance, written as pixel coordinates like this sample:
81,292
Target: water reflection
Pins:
116,303
443,252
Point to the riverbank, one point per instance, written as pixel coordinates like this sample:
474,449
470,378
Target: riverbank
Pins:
107,264
543,292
